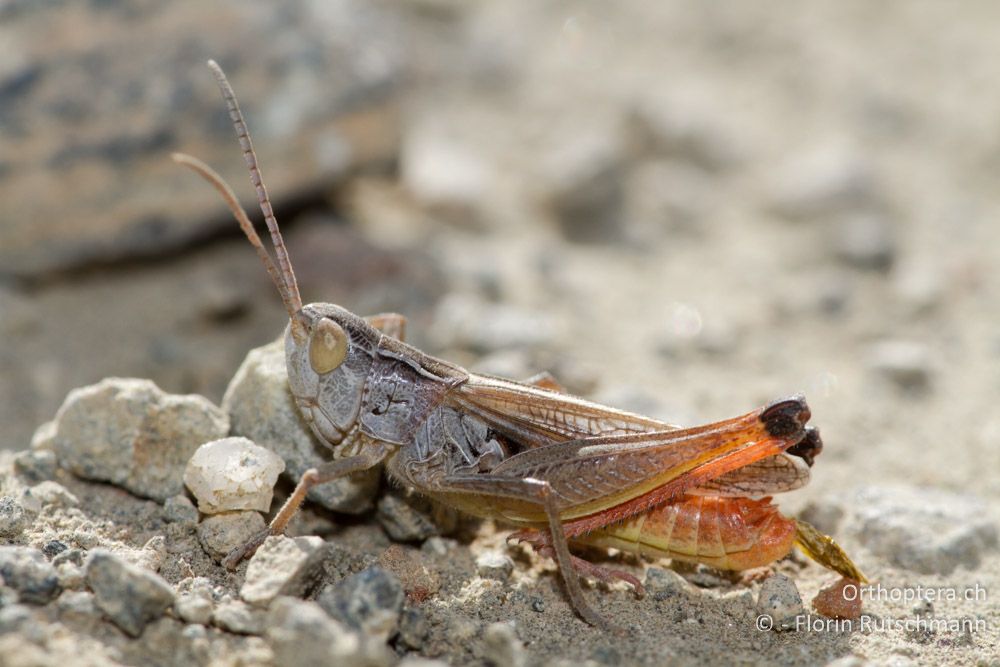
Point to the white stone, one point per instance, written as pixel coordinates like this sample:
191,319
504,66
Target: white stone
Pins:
233,474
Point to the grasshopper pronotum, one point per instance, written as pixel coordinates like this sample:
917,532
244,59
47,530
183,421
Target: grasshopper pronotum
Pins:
561,469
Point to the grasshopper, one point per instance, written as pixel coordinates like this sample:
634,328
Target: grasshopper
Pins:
561,469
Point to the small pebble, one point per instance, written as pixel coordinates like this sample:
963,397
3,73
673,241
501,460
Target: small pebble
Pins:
370,601
283,566
865,240
780,599
503,648
238,617
233,474
53,548
178,509
71,576
194,608
840,599
494,565
831,180
919,286
35,465
221,533
403,521
664,584
13,518
905,364
128,595
437,546
27,571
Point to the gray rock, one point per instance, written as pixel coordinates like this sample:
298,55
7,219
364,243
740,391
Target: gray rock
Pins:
36,465
865,240
906,364
132,434
128,595
178,509
779,598
13,518
283,566
238,617
261,408
503,648
370,601
301,634
114,145
221,533
494,565
924,530
28,572
404,521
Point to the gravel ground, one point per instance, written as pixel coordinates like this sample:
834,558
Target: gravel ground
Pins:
680,209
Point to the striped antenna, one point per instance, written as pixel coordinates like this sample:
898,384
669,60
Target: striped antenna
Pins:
284,264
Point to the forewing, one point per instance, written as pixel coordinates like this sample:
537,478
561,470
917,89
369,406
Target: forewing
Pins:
538,417
595,474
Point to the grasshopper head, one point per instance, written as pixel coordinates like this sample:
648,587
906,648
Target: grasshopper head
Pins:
328,352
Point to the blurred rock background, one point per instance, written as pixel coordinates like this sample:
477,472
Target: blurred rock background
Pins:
681,208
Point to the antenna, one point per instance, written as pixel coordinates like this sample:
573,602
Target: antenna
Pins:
282,275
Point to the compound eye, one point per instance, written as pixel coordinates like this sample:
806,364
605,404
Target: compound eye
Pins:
327,347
